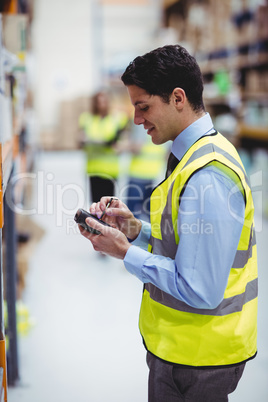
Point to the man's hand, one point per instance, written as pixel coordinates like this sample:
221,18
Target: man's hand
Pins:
118,216
111,241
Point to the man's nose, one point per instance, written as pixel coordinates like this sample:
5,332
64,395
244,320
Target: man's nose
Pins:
138,119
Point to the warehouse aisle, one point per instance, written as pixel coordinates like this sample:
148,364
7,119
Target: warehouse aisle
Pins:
85,345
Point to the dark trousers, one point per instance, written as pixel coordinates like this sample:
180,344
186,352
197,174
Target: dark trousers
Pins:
100,187
174,383
138,197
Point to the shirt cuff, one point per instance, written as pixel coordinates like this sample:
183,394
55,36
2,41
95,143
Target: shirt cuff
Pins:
143,238
134,261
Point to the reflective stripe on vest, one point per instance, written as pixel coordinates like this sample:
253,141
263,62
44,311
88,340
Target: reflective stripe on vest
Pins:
174,331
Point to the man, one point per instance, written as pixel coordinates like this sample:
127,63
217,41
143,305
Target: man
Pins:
199,305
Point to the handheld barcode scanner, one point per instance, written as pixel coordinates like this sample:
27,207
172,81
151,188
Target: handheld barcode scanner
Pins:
80,218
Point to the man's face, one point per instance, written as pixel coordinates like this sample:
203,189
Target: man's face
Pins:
160,119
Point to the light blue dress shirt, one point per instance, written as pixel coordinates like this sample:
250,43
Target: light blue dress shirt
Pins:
210,220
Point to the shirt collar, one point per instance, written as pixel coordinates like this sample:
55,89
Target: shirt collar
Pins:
191,134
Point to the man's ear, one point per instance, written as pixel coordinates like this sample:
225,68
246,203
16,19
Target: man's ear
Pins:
179,97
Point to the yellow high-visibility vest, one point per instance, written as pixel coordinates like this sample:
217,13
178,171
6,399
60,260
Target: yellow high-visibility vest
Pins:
171,329
102,159
149,162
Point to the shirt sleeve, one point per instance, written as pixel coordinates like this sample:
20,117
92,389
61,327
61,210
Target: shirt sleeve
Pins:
211,216
144,236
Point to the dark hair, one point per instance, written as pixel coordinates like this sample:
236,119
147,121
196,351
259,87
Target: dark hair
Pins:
165,68
95,108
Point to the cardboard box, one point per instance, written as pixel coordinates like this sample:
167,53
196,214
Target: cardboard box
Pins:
262,21
66,134
49,139
68,128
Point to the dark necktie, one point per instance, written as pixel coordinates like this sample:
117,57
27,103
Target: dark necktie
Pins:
171,164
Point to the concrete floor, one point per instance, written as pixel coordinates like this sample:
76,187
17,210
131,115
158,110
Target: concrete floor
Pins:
85,345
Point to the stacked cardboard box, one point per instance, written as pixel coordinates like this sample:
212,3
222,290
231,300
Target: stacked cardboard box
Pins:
68,130
215,24
257,82
262,21
66,135
49,139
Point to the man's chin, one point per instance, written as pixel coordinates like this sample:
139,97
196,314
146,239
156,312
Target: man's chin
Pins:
156,140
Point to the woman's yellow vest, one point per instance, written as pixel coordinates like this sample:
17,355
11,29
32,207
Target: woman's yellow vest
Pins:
102,159
171,329
149,162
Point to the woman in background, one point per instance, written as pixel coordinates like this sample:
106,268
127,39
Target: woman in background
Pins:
102,129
